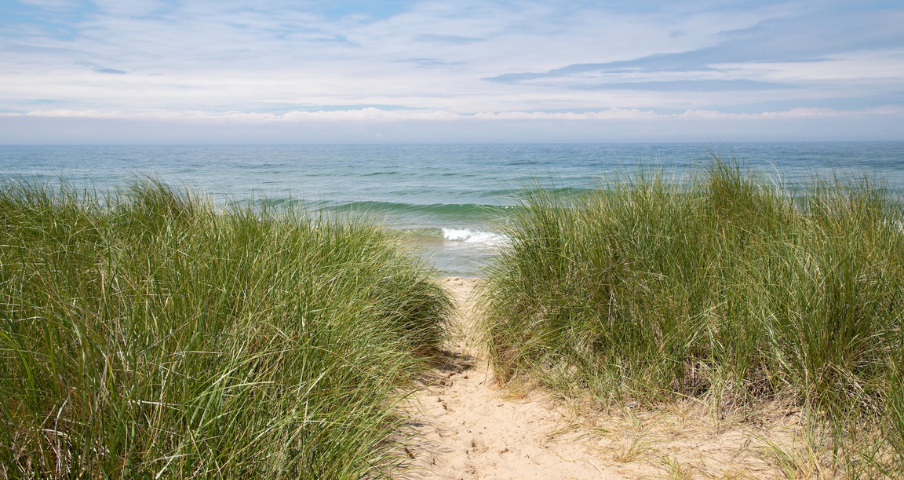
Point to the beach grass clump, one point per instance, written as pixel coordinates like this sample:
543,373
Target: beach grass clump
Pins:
725,287
151,334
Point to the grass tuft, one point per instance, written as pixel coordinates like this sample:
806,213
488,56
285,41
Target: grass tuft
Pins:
726,288
145,334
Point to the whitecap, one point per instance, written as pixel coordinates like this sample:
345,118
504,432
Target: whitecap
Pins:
473,236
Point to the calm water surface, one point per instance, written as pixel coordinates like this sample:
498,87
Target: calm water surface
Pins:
449,197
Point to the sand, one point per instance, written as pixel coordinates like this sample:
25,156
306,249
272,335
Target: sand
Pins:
468,427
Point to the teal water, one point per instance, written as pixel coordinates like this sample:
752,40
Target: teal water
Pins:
450,198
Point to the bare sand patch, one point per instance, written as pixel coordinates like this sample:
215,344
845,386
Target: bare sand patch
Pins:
467,427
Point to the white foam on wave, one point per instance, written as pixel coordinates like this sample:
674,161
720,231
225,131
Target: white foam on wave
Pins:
471,236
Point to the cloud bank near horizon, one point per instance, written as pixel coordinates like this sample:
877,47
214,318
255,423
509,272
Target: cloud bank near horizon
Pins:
427,70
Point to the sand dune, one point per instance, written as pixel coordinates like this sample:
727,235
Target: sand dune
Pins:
468,427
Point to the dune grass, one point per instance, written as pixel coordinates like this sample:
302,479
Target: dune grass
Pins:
147,334
727,288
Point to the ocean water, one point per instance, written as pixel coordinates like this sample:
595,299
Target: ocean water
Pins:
449,199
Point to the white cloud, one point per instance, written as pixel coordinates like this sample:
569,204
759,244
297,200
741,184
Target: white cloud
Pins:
371,115
274,61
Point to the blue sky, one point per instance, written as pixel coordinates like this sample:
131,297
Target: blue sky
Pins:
273,71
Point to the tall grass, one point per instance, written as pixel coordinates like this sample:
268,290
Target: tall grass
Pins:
726,288
144,334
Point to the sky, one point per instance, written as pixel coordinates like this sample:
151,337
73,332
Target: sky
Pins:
399,71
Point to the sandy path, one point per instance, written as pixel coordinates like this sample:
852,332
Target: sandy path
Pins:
469,428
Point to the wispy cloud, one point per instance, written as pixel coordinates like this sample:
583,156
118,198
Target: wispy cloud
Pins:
168,60
446,39
430,62
371,114
796,39
703,85
96,68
